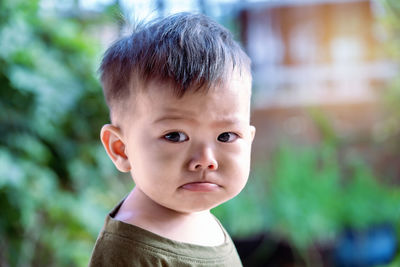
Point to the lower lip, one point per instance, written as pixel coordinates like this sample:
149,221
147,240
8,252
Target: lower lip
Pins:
201,187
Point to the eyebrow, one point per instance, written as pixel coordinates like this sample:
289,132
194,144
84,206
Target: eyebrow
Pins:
175,114
172,118
227,122
223,122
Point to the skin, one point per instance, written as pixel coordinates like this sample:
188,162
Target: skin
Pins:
186,155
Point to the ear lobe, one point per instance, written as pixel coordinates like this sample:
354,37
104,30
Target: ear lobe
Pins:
111,138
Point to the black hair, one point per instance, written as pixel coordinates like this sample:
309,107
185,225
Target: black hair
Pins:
189,51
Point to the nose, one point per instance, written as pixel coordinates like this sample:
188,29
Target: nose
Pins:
203,159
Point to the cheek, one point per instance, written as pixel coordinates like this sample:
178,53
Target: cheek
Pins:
241,152
167,154
237,165
155,160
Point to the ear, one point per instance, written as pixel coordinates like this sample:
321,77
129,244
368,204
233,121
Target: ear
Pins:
252,132
111,138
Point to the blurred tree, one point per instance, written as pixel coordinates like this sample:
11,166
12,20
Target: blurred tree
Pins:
52,168
54,175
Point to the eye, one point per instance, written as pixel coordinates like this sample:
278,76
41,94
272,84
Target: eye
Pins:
227,137
176,137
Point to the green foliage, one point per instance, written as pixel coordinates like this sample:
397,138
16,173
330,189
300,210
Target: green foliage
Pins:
307,196
52,168
302,195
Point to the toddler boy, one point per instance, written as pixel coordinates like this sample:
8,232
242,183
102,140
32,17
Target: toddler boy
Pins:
178,90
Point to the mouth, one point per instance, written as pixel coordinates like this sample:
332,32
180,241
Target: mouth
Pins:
201,187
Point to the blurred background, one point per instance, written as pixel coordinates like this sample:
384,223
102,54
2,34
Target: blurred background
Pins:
325,183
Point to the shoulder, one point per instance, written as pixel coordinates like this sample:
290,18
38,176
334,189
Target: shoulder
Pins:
115,250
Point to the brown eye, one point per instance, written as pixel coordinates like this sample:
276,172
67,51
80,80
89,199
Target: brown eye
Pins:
176,137
227,137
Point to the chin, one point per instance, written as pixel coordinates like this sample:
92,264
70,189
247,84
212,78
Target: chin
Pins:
198,208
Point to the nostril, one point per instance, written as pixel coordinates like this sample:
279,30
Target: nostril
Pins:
197,165
211,167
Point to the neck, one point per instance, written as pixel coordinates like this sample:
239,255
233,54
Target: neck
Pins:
144,207
194,227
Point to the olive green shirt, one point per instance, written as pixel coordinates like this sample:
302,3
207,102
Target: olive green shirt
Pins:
122,244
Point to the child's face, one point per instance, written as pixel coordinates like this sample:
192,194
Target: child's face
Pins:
191,153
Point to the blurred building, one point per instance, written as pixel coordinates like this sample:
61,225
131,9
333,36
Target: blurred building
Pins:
314,53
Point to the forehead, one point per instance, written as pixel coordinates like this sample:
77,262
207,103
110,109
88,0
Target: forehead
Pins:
231,96
156,100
